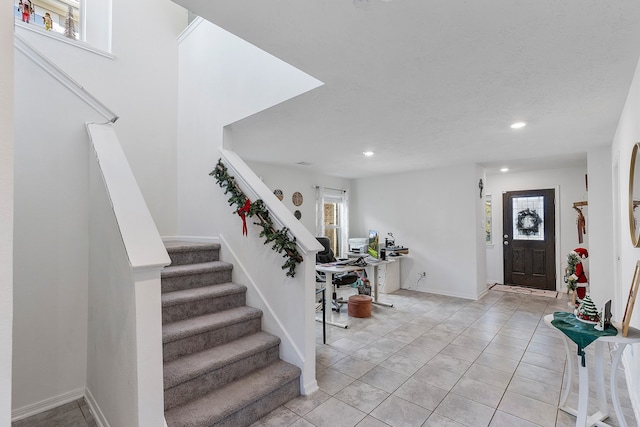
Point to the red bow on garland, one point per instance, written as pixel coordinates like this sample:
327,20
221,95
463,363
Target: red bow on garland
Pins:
243,211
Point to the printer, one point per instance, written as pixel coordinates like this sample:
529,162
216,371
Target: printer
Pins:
358,245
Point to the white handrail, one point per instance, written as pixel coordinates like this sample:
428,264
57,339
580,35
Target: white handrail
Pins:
254,189
139,233
64,78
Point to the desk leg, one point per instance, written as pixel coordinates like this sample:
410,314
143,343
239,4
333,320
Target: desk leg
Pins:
329,301
374,280
617,355
324,316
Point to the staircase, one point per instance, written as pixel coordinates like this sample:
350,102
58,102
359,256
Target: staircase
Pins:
220,368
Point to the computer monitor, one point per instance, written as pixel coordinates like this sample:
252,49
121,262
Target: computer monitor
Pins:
372,248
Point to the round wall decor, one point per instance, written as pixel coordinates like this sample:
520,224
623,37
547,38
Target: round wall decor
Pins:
297,198
278,194
297,214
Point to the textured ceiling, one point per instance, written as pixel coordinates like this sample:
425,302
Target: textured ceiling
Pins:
427,84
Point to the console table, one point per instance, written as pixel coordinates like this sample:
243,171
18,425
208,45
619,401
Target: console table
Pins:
581,414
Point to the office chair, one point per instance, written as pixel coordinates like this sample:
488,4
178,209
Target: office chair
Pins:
325,256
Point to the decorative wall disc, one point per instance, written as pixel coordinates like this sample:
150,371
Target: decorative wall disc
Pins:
297,214
278,194
297,198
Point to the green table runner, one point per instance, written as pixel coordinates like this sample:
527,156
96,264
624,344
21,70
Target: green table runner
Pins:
580,333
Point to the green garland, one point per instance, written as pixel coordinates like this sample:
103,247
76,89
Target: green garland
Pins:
572,261
279,238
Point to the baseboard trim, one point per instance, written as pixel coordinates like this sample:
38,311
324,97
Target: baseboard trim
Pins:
446,294
45,405
101,420
483,293
309,388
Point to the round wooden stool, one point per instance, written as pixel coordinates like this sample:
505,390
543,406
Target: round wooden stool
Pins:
360,306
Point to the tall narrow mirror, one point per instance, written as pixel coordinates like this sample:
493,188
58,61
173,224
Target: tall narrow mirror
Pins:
634,196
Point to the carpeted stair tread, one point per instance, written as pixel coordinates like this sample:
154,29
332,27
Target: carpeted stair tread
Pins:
213,407
194,365
184,246
213,291
201,268
196,325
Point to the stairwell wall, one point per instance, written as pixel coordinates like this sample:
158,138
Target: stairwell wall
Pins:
627,134
6,210
50,243
224,79
139,82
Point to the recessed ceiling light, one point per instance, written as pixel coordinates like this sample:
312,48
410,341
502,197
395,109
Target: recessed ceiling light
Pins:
504,170
518,125
368,153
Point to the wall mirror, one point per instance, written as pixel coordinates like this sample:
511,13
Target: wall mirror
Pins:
634,196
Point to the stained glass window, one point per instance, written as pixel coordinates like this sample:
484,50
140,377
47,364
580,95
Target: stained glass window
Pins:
528,218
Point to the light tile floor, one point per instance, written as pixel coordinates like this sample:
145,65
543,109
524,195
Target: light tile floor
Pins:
440,361
72,414
429,361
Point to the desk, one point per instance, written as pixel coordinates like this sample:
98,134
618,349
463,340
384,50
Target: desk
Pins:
330,269
582,417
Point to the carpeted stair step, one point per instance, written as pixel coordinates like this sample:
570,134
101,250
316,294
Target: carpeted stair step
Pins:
180,277
182,253
205,371
179,305
198,333
242,402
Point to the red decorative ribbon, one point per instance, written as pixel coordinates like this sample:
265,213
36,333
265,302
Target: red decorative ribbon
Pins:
243,211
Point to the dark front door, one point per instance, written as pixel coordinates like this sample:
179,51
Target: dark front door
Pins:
528,237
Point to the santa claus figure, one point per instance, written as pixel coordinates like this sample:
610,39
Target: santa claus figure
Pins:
577,280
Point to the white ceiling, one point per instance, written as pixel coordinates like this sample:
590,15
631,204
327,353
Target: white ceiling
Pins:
426,83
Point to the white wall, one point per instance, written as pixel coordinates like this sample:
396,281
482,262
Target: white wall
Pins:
6,209
571,185
111,380
140,84
51,167
436,213
600,227
233,80
290,180
627,134
50,241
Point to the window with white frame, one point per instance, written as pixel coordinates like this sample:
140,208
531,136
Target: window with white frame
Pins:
332,218
59,16
68,20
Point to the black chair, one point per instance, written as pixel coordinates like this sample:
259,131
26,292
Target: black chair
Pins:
326,256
